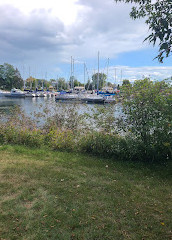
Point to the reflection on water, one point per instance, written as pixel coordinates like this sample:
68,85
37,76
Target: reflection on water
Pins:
5,106
29,105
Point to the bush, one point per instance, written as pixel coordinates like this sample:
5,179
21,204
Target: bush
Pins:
61,139
23,136
128,148
134,149
148,115
99,143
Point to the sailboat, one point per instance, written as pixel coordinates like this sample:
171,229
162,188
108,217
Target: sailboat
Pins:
30,93
94,98
64,96
108,92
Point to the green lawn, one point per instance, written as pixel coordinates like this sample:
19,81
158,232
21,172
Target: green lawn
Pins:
61,196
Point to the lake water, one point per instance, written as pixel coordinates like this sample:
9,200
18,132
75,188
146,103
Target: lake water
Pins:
36,105
29,105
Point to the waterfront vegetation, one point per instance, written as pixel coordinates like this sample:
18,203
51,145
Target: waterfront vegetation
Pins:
49,194
142,133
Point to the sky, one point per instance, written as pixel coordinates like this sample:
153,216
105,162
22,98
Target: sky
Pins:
39,37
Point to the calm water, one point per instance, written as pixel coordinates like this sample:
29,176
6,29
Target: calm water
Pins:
31,105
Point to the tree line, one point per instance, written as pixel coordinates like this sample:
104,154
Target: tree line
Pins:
10,77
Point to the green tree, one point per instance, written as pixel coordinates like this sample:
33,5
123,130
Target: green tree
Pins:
2,77
148,115
62,85
77,83
89,85
109,84
158,15
30,82
10,77
102,80
126,87
17,80
41,83
71,81
126,82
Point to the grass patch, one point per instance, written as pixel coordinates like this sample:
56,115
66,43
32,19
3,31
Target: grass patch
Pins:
59,195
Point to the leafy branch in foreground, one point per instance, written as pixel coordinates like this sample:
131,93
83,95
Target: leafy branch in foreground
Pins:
158,15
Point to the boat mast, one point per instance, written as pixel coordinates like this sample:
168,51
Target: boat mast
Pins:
46,79
30,79
84,75
42,84
98,75
71,74
115,75
24,80
121,76
107,73
57,83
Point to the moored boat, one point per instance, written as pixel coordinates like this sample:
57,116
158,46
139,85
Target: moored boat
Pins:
67,97
93,99
15,93
2,93
42,94
29,94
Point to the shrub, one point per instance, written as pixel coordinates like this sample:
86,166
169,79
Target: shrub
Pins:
148,115
63,117
99,143
61,139
134,149
23,136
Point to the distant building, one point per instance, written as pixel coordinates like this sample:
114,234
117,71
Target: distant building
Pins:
79,89
51,88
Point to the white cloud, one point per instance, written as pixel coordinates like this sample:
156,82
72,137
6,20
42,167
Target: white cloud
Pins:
66,10
106,26
135,73
46,33
95,26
